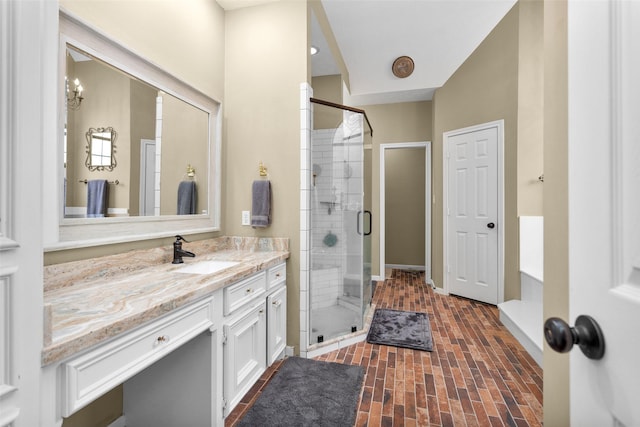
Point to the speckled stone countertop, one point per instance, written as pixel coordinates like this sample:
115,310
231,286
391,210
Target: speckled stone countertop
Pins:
88,302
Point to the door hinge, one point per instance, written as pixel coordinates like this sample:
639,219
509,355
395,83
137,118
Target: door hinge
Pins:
224,406
224,339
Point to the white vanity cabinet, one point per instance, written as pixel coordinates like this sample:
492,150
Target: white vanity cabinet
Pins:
276,313
92,374
254,332
244,351
190,366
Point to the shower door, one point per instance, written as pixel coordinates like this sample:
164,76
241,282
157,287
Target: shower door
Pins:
339,224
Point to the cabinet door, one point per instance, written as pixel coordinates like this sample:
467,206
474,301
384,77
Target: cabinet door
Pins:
276,324
245,352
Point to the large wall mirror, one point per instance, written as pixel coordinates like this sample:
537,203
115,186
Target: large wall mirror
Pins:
167,134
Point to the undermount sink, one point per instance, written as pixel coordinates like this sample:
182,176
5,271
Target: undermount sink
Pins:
206,267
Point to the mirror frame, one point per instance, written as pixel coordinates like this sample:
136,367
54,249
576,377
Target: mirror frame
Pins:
63,233
89,160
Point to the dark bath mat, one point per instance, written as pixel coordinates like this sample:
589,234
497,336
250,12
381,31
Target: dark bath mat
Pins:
307,392
397,328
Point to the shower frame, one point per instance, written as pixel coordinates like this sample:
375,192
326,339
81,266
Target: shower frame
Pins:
354,212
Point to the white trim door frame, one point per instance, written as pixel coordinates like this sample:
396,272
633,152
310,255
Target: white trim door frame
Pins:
446,136
427,209
147,176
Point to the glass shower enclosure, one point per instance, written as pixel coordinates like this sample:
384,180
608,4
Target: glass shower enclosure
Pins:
340,257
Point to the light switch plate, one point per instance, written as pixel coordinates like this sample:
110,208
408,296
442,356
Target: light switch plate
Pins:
246,218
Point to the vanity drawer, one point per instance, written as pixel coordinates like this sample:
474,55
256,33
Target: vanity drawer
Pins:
235,296
276,275
89,376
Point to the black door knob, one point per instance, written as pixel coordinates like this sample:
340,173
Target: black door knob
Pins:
491,225
587,334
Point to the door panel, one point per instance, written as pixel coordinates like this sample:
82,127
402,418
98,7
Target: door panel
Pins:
245,352
604,207
472,205
276,324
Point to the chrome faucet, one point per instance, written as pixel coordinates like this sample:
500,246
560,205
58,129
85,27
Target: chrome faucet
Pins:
178,252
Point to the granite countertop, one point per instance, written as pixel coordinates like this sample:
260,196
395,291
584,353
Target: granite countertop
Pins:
89,302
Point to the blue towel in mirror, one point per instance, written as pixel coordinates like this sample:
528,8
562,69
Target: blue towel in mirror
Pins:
187,198
97,198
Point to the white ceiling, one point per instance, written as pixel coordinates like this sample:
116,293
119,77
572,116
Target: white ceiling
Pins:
438,34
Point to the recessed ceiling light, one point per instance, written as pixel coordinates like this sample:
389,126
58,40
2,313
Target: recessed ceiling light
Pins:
314,50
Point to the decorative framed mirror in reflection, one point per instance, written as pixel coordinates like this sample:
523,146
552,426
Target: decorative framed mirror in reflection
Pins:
154,124
101,149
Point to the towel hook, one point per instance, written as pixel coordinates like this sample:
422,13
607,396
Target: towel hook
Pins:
191,171
262,169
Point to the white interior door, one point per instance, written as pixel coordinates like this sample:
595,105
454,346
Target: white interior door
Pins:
604,206
472,213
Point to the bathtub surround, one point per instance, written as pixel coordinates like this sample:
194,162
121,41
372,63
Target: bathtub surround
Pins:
523,317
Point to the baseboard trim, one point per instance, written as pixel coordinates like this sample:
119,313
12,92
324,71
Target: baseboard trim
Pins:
120,422
406,267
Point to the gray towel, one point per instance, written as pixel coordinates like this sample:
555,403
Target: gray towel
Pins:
187,198
97,198
261,204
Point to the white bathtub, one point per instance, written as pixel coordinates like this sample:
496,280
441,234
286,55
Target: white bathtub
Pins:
523,317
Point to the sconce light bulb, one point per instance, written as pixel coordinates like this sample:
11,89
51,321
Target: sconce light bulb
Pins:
80,89
76,82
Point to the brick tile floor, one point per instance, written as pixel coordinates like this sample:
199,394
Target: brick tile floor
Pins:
476,375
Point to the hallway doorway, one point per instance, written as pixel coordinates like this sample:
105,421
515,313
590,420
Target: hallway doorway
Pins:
405,208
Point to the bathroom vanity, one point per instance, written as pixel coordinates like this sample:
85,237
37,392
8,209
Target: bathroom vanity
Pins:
187,341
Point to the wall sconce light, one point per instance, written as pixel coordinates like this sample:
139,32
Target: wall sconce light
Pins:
74,98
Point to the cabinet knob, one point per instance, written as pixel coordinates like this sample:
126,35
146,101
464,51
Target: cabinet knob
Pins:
249,290
277,303
162,338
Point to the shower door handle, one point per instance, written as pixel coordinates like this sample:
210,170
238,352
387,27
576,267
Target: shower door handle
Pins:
367,233
370,223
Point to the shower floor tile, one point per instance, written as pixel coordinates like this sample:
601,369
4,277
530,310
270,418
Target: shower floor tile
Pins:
335,320
477,375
